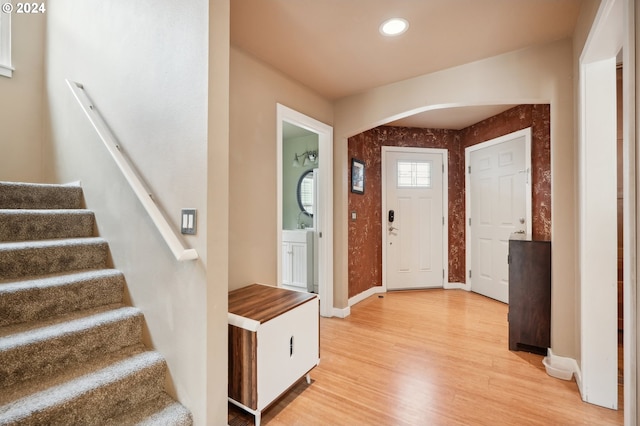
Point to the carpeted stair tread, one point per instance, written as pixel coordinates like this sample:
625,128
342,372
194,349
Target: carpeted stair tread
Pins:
15,195
51,346
24,225
41,383
27,258
162,410
70,352
94,397
38,298
54,321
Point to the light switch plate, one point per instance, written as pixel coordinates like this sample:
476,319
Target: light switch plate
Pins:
188,221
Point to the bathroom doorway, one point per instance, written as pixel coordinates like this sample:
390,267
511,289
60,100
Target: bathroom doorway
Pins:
305,205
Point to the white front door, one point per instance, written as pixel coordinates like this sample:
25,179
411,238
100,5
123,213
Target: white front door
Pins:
413,217
500,204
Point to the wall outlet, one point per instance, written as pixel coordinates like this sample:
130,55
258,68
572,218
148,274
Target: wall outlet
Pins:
188,221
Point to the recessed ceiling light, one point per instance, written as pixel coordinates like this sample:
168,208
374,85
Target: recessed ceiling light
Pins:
394,27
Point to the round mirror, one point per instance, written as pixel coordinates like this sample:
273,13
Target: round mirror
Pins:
305,192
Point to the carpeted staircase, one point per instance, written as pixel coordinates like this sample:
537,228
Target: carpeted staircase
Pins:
71,352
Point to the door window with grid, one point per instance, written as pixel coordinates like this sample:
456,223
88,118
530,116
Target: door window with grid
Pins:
414,174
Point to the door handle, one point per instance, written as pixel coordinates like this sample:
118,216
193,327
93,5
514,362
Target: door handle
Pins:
393,228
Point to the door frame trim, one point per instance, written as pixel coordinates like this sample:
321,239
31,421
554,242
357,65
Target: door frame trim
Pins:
325,200
445,206
468,285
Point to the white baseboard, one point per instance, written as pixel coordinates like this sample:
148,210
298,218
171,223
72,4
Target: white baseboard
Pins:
345,312
365,294
575,369
342,313
456,286
577,373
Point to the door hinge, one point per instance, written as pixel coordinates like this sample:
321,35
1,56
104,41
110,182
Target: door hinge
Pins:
442,220
469,221
469,273
442,168
469,169
443,274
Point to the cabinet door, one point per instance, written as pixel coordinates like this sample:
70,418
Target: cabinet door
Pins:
288,347
530,295
286,263
299,265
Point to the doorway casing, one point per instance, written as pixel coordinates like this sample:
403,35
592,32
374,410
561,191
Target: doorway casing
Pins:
325,200
611,31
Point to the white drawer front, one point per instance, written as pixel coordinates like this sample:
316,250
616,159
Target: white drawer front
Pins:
287,348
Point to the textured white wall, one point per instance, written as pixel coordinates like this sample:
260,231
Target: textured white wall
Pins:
218,213
255,89
21,102
145,66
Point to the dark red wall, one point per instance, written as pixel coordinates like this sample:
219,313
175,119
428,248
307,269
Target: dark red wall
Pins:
365,233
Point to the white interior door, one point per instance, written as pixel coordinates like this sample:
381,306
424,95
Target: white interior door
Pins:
498,182
413,218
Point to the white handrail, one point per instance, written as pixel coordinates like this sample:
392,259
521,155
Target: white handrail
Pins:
179,251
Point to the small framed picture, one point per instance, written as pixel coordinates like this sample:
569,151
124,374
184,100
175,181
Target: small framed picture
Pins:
357,176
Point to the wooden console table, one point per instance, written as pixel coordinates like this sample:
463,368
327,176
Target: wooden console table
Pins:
274,341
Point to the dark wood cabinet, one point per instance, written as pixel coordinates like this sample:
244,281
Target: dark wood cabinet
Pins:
529,294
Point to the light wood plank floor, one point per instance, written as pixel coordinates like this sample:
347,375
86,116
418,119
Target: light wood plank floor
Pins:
430,357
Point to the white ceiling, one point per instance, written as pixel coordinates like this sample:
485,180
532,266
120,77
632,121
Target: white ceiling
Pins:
334,47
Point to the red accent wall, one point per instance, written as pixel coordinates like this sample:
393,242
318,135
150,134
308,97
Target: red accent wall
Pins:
365,233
